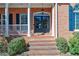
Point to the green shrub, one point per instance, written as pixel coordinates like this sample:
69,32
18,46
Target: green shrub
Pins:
3,44
62,45
74,44
76,34
16,46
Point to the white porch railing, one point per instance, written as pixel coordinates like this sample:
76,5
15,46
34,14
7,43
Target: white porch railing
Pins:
15,29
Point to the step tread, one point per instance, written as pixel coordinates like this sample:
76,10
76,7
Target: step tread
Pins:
42,47
43,52
42,41
43,44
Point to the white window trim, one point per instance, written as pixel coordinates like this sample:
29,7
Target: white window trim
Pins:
76,30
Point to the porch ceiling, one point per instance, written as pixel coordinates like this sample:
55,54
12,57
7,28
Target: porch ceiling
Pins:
25,5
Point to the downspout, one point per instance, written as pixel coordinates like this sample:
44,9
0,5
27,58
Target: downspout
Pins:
56,20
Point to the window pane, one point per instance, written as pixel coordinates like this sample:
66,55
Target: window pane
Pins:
42,22
10,19
77,20
3,18
23,18
17,19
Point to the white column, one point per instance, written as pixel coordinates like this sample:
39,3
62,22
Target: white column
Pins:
29,31
53,20
6,20
56,20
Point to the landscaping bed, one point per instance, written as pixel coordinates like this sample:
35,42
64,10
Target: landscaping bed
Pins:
13,45
70,47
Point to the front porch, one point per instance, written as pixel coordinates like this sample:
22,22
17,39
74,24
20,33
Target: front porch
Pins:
31,20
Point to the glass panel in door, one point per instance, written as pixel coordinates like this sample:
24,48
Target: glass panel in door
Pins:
41,24
38,24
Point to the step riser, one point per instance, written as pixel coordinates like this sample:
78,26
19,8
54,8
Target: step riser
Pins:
42,48
45,52
42,45
42,42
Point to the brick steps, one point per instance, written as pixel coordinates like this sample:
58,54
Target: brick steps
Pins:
42,46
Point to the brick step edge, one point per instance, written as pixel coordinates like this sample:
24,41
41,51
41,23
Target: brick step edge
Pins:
44,52
42,40
50,44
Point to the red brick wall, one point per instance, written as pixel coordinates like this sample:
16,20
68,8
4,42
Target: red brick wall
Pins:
63,21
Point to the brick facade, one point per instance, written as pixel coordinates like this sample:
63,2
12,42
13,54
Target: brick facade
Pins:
63,21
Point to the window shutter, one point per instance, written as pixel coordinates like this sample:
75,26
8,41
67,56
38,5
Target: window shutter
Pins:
71,19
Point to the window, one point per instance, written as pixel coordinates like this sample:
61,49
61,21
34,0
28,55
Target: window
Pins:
76,20
76,16
21,18
2,19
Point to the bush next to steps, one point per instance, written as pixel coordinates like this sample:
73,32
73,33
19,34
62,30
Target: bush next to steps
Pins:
3,44
17,45
74,44
62,45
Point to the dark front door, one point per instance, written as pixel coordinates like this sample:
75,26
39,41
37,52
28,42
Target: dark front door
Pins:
41,24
